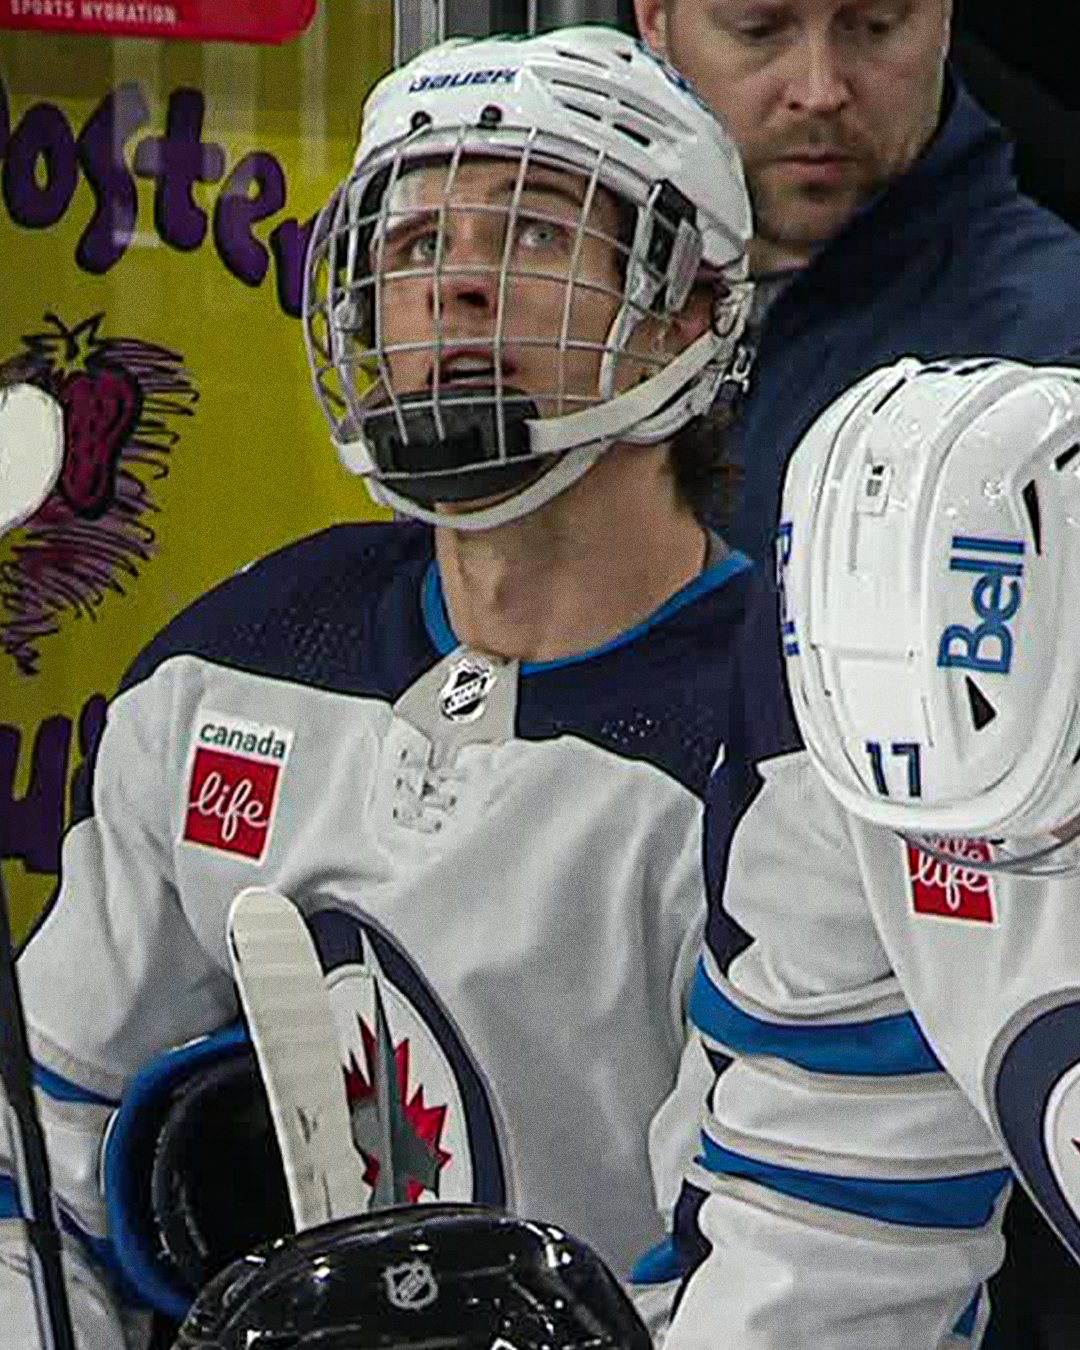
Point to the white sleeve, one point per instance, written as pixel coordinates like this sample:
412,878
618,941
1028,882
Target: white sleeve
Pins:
112,977
680,898
846,1194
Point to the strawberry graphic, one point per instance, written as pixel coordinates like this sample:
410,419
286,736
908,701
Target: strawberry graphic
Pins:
101,400
101,407
122,398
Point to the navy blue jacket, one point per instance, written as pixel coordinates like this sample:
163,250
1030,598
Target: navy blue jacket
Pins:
949,261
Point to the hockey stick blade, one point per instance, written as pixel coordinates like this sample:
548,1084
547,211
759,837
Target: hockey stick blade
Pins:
285,999
31,451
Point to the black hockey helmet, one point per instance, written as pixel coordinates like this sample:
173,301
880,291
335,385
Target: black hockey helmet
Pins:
440,1276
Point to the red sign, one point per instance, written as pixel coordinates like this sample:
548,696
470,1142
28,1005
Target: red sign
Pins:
952,889
231,803
191,20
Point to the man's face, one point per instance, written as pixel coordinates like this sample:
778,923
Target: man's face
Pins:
826,99
451,304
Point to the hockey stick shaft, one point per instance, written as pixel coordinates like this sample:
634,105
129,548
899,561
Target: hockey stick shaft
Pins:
31,453
291,1020
44,1245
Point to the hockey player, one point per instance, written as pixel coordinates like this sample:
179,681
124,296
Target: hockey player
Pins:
472,745
898,1033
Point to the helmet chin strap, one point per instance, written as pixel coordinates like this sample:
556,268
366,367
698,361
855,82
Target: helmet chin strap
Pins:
632,412
574,464
646,414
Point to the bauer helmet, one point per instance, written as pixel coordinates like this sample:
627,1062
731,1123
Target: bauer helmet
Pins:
928,557
589,102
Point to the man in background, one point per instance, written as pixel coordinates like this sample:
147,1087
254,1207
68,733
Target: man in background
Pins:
888,220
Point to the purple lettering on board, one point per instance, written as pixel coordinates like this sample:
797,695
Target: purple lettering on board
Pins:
31,826
177,161
43,136
289,243
237,211
101,154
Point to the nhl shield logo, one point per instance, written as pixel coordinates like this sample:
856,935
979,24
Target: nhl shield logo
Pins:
411,1285
464,696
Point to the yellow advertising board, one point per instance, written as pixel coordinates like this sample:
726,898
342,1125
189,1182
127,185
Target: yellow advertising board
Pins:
155,200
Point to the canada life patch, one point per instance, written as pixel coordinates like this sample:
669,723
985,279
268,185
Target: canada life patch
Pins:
952,889
236,769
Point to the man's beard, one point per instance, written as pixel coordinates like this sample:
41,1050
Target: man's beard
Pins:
807,217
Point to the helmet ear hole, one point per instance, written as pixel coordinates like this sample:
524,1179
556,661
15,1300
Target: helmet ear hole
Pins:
983,711
1062,462
1030,498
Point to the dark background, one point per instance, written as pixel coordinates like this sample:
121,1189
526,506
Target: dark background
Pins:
1020,62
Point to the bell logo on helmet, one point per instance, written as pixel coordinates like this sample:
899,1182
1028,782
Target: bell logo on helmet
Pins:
411,1285
783,558
996,596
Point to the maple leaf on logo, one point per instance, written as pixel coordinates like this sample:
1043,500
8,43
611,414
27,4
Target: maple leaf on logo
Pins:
398,1136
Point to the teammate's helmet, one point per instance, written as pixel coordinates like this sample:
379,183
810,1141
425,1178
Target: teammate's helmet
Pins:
588,102
441,1277
928,560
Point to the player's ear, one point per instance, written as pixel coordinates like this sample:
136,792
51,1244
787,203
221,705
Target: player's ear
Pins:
671,335
651,16
657,340
695,316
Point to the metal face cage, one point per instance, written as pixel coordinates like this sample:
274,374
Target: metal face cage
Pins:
463,284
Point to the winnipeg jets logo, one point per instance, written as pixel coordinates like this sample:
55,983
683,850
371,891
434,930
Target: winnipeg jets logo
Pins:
464,696
419,1110
396,1133
411,1285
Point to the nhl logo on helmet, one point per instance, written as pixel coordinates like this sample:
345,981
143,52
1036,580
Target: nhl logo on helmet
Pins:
411,1285
463,698
952,886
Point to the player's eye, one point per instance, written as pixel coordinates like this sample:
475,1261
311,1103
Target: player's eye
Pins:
422,248
540,234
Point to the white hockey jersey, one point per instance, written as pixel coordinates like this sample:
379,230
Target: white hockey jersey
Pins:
892,1039
502,866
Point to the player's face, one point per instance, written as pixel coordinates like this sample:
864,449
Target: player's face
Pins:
461,311
827,99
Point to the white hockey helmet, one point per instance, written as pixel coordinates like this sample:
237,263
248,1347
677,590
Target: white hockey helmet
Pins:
590,101
928,558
